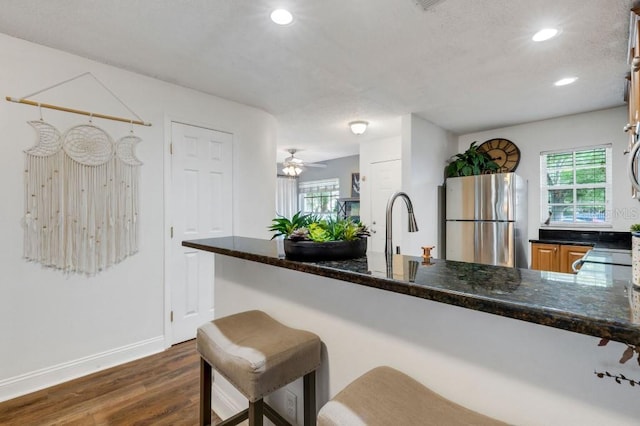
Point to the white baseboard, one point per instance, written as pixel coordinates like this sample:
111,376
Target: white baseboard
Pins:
226,400
49,376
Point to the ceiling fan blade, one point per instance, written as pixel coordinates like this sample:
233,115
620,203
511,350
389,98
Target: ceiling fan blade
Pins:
294,161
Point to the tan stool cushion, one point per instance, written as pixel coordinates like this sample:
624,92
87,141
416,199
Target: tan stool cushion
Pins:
385,396
257,353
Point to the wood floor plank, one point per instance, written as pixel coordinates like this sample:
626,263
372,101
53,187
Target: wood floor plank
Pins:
158,390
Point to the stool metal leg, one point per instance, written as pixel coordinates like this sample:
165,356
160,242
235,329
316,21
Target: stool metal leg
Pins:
256,411
205,392
309,390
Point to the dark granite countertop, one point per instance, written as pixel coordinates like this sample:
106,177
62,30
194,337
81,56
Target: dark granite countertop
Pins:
593,302
608,256
597,239
573,243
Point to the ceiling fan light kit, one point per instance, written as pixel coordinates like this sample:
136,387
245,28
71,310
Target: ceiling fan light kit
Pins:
291,170
293,166
358,127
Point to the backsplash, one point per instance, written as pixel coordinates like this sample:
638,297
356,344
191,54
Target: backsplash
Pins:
602,239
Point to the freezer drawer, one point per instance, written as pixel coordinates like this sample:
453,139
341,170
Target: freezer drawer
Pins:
483,197
489,243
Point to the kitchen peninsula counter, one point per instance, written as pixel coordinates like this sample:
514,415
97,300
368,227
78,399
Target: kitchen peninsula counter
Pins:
500,341
592,303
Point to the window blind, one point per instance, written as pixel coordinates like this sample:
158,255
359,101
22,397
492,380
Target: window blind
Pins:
576,186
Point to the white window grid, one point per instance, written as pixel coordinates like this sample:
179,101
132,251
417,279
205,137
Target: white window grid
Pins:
319,197
545,206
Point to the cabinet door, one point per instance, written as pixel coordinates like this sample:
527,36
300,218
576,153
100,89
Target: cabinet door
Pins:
569,254
633,92
634,95
544,257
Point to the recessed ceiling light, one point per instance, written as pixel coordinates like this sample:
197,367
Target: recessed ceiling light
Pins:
281,17
545,34
565,81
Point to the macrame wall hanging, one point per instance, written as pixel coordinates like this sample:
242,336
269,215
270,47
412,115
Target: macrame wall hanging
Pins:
81,193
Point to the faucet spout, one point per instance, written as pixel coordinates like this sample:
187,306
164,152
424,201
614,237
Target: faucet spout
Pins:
413,225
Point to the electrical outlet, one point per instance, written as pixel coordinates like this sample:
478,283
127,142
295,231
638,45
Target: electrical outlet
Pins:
290,404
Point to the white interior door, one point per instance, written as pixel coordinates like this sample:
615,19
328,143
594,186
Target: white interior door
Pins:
201,203
386,178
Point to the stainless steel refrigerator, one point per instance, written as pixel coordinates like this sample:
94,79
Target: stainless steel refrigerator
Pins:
486,219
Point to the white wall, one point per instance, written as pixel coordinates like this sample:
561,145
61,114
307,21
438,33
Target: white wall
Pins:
588,129
519,372
55,326
425,150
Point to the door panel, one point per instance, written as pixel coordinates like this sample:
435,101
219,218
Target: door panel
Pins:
544,257
386,178
191,283
201,199
569,254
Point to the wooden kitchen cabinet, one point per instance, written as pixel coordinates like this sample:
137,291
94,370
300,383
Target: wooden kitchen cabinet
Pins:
569,254
544,257
556,257
633,59
632,92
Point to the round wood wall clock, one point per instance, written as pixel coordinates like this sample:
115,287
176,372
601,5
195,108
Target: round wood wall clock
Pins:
504,152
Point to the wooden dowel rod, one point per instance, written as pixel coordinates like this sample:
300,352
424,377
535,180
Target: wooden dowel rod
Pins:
76,111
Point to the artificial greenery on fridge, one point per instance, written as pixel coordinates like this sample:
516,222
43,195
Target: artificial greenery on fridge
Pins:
471,162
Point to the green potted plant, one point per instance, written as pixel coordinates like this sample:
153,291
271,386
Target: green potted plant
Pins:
471,162
308,237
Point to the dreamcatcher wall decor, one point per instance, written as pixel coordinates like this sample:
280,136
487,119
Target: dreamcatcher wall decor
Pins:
81,193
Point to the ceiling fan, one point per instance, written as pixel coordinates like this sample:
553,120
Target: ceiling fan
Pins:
293,166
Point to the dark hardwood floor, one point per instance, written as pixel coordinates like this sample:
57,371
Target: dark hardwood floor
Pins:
161,389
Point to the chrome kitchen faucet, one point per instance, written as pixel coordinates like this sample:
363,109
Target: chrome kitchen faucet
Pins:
413,225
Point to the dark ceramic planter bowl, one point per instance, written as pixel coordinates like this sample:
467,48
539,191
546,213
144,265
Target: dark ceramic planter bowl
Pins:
330,250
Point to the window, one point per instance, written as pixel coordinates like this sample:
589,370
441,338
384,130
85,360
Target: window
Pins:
319,197
575,186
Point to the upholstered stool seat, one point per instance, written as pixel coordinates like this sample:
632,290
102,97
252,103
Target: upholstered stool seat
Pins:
258,355
384,396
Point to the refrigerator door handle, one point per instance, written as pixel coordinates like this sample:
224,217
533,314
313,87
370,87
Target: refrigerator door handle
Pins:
477,245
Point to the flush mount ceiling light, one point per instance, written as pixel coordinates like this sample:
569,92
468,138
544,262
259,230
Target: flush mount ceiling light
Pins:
358,127
565,81
281,17
545,34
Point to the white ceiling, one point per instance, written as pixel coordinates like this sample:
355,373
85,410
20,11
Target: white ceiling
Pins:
465,65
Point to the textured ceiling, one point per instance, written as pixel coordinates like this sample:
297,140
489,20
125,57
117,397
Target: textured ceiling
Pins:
463,65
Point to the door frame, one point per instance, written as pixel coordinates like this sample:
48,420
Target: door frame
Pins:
168,211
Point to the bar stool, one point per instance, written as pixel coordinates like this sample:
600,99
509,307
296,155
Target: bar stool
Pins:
258,355
384,396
